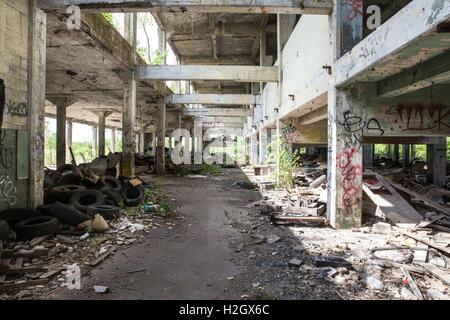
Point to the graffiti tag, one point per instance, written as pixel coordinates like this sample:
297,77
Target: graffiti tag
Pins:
18,109
419,117
6,155
355,10
356,126
350,173
8,191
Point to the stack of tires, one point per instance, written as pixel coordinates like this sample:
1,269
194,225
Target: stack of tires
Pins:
70,199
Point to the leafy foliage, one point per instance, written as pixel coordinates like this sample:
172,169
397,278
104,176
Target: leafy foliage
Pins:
288,161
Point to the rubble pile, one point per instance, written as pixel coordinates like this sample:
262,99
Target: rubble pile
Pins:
80,223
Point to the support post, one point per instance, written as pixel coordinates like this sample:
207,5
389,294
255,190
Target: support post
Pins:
129,106
368,156
69,136
61,150
160,148
94,142
37,44
345,151
102,132
396,153
262,145
113,140
254,148
437,161
406,155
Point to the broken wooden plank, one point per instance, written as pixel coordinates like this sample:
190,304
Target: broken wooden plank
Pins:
442,275
428,202
24,284
429,243
50,273
101,258
298,220
9,270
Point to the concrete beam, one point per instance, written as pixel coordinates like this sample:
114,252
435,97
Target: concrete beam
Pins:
216,99
207,60
207,72
231,125
314,116
218,112
417,19
240,120
205,6
426,74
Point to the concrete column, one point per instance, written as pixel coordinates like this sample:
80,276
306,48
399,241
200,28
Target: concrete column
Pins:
161,129
129,106
162,43
396,156
437,161
37,44
61,149
141,143
101,134
254,149
262,145
345,162
113,140
368,153
69,136
94,142
406,155
413,151
198,142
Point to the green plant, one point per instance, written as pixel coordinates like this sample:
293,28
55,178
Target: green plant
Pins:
277,149
209,169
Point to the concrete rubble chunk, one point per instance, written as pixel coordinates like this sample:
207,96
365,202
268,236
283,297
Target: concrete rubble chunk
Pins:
381,228
295,262
101,289
272,239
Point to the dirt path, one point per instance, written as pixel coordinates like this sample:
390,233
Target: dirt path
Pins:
191,261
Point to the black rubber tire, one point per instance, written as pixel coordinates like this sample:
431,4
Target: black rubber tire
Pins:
15,215
68,214
111,183
106,211
48,182
69,179
68,169
45,209
133,196
35,227
111,196
84,199
63,193
4,230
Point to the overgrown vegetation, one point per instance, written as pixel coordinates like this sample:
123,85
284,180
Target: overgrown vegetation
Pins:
209,169
157,196
288,161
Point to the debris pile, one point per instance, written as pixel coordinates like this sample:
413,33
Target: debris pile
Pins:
79,224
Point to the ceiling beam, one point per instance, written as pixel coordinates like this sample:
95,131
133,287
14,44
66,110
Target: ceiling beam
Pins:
216,99
433,71
207,72
323,7
218,112
314,116
240,120
228,60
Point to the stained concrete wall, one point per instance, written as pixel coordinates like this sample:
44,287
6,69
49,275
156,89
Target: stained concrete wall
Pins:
304,77
13,128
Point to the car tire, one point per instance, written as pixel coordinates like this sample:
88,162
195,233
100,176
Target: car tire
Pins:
110,183
68,214
63,193
36,227
111,196
4,230
133,196
69,179
18,214
68,169
106,211
82,200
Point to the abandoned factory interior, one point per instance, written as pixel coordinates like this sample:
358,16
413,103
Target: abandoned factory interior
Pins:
224,150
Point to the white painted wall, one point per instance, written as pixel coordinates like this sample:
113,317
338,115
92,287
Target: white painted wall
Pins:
304,55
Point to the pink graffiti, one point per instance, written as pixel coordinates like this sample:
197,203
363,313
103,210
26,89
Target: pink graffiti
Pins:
350,173
418,117
355,8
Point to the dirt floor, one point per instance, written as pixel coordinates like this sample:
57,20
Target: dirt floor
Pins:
221,249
